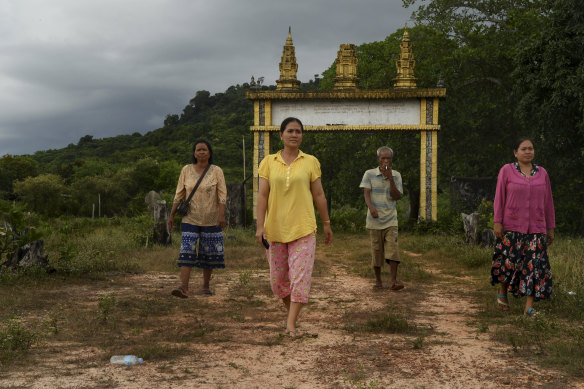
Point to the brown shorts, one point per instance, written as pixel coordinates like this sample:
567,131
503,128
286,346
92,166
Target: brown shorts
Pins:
384,246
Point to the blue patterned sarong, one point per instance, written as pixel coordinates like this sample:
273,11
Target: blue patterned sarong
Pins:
201,247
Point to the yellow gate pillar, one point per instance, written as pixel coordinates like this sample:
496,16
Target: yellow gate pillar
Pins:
261,143
429,161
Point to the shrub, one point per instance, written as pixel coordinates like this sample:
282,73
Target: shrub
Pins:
15,339
348,219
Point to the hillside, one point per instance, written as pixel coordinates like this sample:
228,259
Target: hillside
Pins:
516,77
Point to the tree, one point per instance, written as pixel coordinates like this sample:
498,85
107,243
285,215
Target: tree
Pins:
550,80
516,69
44,194
109,192
479,117
14,168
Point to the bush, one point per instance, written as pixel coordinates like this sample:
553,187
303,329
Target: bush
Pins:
449,219
348,219
82,245
15,339
487,214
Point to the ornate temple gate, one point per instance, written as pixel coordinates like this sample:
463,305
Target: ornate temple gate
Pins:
347,108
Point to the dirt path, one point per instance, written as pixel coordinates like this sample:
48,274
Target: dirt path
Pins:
250,352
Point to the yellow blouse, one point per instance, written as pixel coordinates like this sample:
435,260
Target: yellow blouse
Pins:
290,212
204,205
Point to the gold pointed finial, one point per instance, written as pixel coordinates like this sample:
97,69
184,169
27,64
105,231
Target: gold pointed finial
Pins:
288,66
346,68
405,64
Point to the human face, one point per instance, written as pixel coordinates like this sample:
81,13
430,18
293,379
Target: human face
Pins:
524,152
385,158
202,152
292,135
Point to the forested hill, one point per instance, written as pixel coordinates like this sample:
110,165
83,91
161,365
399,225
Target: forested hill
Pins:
223,119
510,69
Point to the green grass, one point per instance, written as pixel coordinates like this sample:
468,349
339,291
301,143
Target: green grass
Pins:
96,256
388,322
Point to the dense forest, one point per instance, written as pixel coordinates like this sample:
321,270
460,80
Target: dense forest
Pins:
511,68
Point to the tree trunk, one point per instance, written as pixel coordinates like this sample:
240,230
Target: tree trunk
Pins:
31,254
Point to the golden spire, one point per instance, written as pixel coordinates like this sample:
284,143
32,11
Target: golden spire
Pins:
346,68
288,66
405,64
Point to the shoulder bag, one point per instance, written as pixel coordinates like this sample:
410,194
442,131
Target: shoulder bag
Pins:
183,205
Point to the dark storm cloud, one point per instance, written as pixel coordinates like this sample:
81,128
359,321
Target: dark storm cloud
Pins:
70,68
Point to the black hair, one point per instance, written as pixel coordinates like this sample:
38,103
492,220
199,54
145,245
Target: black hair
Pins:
208,145
287,121
520,140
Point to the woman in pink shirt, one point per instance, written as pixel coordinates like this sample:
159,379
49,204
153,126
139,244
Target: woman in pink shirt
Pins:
524,225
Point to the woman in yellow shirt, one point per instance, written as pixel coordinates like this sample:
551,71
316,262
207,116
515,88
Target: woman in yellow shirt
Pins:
289,183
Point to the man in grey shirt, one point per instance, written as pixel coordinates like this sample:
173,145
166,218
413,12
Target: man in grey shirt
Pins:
382,188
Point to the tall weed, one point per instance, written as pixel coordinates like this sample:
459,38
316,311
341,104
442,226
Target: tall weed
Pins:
15,340
567,263
85,246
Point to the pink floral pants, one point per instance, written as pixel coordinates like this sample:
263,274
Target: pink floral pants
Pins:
291,267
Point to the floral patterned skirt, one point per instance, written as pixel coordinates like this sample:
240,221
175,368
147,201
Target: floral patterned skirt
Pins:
521,261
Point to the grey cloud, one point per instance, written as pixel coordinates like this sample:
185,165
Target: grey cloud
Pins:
69,68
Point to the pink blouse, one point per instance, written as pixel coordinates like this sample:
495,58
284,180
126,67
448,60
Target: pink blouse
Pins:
524,204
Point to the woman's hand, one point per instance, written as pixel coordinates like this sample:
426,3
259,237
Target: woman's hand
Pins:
549,237
260,232
221,217
498,230
171,217
328,234
221,221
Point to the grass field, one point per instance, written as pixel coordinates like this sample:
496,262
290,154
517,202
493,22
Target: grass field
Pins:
38,310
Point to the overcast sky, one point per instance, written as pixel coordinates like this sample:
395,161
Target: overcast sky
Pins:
70,68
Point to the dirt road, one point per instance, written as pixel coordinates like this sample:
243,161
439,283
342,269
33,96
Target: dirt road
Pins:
247,348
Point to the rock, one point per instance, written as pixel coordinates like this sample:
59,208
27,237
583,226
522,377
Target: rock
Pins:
471,227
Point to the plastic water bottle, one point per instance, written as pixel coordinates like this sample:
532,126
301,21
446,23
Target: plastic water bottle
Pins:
126,360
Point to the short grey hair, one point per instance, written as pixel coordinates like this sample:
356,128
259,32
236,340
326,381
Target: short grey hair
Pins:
384,148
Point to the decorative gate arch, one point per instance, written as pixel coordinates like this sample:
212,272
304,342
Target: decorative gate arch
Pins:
347,108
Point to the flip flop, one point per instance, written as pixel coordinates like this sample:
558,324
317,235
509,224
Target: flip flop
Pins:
297,334
179,292
395,287
531,312
503,302
206,292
